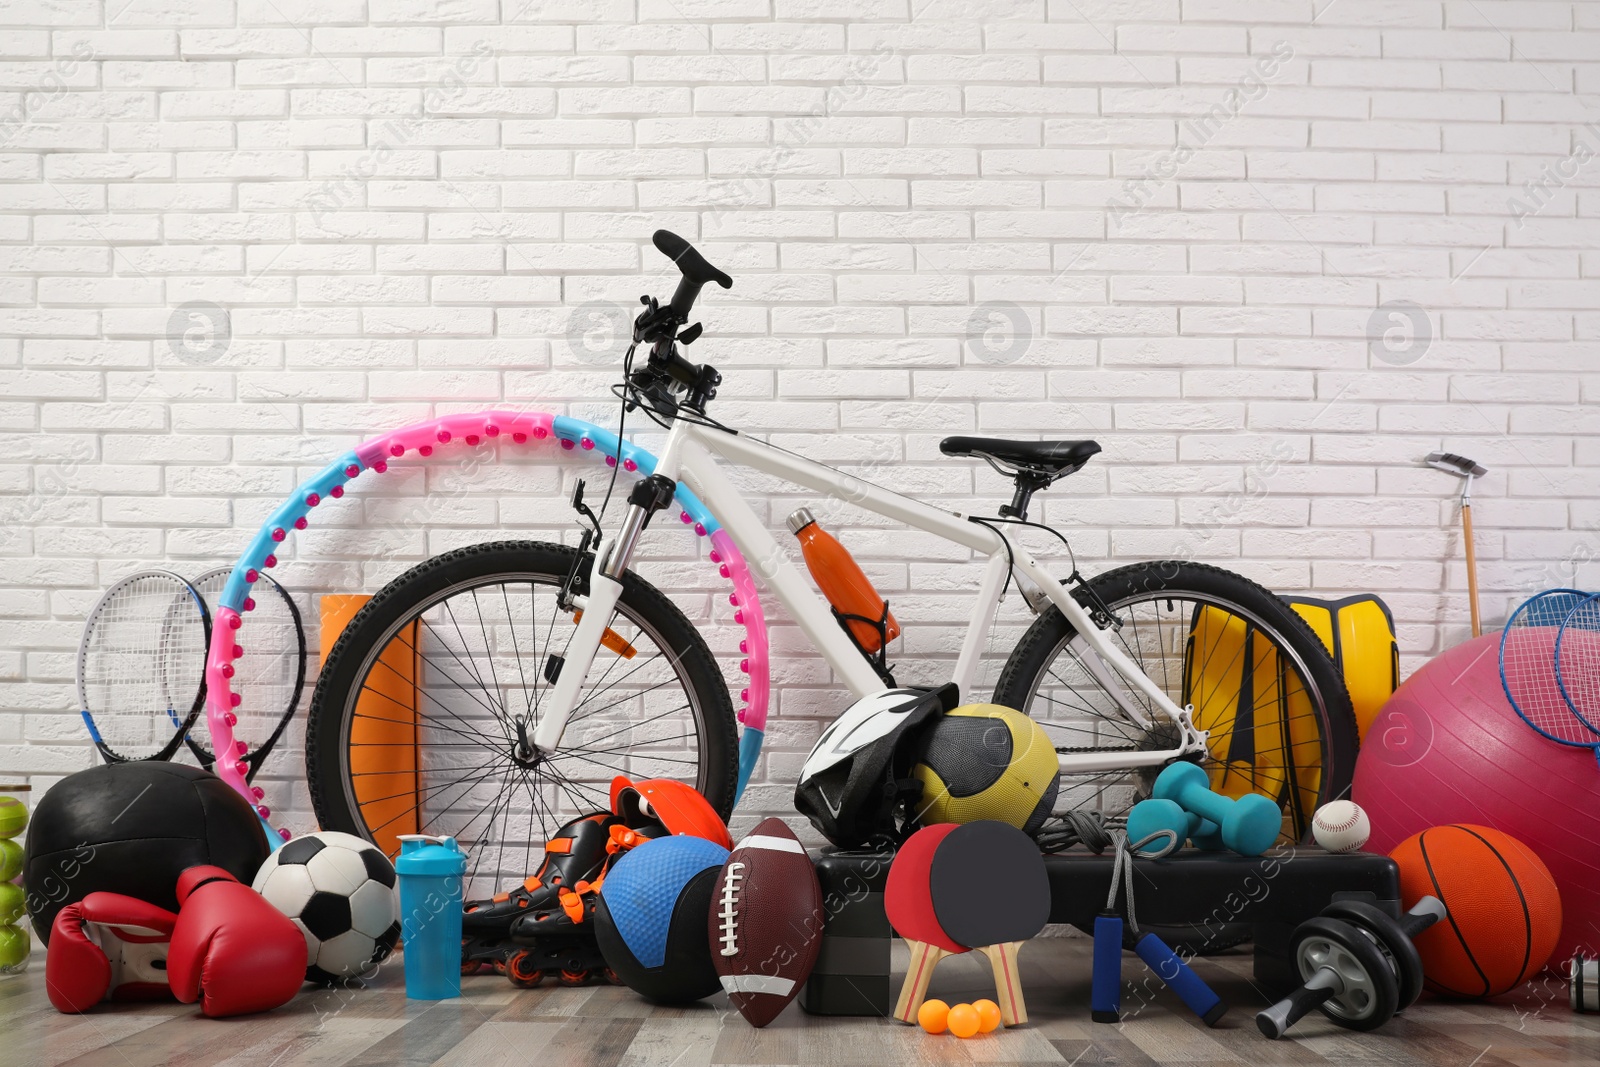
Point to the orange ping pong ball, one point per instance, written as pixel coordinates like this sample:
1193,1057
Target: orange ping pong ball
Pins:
963,1020
988,1015
932,1016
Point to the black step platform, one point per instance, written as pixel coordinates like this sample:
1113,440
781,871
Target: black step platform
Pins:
1273,894
852,972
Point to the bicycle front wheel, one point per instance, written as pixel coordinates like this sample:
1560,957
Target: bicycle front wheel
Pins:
1260,681
423,717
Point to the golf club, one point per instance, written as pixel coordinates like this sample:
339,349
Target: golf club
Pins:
1466,469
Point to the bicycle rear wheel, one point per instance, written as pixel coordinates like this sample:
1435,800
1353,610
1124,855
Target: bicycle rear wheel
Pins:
422,719
1260,681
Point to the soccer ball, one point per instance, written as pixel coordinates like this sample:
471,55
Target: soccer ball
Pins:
339,889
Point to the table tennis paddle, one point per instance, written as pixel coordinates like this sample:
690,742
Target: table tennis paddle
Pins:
909,906
991,893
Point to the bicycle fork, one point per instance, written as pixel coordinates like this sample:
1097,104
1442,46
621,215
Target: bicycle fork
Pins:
611,560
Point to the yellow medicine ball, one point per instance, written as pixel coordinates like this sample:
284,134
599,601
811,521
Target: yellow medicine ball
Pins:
984,761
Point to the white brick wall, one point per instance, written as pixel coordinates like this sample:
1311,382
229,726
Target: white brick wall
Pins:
1174,223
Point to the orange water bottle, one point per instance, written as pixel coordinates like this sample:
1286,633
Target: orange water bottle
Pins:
839,577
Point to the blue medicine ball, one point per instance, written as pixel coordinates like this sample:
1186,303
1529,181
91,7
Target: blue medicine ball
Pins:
652,918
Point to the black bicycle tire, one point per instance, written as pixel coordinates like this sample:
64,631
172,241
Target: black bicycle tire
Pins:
718,755
1045,636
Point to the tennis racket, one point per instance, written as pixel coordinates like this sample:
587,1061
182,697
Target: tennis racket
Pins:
271,674
141,666
1578,662
1528,668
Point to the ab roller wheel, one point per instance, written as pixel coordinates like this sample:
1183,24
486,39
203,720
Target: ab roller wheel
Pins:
1395,943
1359,966
1346,974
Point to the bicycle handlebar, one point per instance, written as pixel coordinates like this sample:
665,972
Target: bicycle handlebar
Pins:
696,271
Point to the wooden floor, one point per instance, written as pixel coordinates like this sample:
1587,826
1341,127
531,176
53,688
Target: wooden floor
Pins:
601,1026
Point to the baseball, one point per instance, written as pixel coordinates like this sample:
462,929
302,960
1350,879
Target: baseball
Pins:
1340,826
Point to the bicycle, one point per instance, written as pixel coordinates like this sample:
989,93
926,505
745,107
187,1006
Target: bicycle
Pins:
523,729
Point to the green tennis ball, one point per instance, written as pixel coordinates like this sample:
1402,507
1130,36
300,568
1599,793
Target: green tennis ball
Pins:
10,860
14,945
13,816
13,901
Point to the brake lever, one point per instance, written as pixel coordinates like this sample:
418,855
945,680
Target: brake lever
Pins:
691,335
584,509
655,323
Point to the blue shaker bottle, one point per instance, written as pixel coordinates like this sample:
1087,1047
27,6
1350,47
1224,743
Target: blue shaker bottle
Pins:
431,870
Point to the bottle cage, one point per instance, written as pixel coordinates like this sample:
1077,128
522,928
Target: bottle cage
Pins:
878,660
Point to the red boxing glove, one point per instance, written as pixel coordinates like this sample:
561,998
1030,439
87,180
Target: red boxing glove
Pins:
231,950
107,947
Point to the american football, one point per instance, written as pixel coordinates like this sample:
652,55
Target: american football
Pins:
766,921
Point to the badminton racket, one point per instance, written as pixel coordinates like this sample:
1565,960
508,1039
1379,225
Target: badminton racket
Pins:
271,674
1528,668
1578,662
141,666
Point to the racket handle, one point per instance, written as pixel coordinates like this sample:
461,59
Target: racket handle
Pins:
1105,996
1007,982
919,972
88,720
1191,989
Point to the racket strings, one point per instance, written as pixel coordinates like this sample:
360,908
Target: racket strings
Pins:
142,662
1528,666
1578,662
268,677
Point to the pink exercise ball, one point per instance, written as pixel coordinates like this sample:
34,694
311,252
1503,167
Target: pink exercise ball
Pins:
1449,748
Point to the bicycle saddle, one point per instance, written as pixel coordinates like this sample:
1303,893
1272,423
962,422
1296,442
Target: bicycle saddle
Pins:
1056,459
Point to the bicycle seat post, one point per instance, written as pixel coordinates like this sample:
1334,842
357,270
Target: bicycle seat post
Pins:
1028,482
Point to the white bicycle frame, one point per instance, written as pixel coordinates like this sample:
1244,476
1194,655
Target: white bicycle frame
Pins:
688,457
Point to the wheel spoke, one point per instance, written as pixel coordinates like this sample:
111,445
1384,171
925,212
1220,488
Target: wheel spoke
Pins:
511,624
1194,645
488,742
490,708
641,715
488,653
477,775
467,666
630,726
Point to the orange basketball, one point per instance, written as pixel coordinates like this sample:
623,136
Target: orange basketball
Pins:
1505,910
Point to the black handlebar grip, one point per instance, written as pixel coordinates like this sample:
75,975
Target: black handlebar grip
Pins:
696,271
691,262
1428,911
1323,986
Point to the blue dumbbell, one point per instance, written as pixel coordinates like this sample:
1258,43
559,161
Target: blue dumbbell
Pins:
1153,816
1249,824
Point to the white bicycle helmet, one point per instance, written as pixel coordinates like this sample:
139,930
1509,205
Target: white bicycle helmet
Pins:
856,776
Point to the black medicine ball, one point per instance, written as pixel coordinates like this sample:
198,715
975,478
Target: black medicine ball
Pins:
132,828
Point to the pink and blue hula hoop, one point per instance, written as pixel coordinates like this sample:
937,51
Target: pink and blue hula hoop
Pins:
472,430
